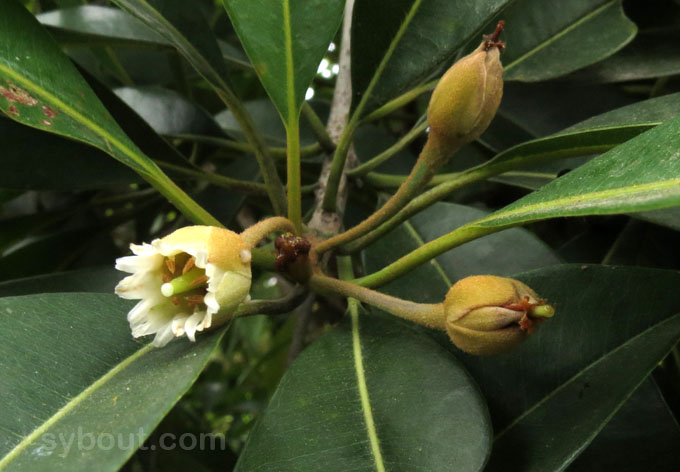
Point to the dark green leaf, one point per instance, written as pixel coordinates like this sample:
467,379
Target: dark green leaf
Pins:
547,40
426,412
501,254
399,46
642,436
92,23
45,254
267,120
167,112
99,279
70,165
619,181
549,435
183,26
594,135
73,369
285,42
41,88
647,57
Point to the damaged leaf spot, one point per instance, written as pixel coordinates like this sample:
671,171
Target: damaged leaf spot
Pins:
49,112
46,122
14,94
13,110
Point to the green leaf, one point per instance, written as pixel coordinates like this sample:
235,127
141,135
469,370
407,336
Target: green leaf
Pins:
42,89
285,41
186,29
598,308
395,48
98,279
619,181
641,436
71,165
648,56
489,255
268,121
45,253
94,23
73,372
167,112
371,395
592,136
546,40
553,432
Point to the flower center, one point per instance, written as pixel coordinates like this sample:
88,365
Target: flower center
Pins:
185,283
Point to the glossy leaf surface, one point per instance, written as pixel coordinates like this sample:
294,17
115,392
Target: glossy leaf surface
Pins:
409,41
285,41
598,309
563,423
618,181
57,389
41,88
426,411
547,40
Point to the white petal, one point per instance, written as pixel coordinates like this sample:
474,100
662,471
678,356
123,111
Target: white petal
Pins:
206,323
163,336
139,285
178,325
140,310
143,249
191,323
134,264
211,303
155,321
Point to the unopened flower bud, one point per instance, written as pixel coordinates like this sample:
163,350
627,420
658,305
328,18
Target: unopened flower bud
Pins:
488,315
468,95
183,280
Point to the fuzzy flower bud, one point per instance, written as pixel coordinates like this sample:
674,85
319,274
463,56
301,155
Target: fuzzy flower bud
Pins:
468,95
488,315
183,280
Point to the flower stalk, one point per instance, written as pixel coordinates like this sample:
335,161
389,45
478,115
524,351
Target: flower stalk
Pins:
461,108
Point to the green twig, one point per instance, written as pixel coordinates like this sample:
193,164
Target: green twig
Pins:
425,253
425,314
277,306
275,189
217,179
400,101
447,183
340,156
318,128
407,139
416,205
277,152
277,224
293,173
420,174
329,202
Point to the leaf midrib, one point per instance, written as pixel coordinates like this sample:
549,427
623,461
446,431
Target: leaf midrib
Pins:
129,152
363,389
559,35
584,197
39,431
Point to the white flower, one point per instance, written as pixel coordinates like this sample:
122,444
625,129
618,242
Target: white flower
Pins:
183,280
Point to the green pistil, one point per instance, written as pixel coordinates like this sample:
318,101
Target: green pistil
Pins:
184,283
542,311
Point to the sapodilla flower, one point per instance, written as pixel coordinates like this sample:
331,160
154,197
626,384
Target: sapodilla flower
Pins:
187,281
488,315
